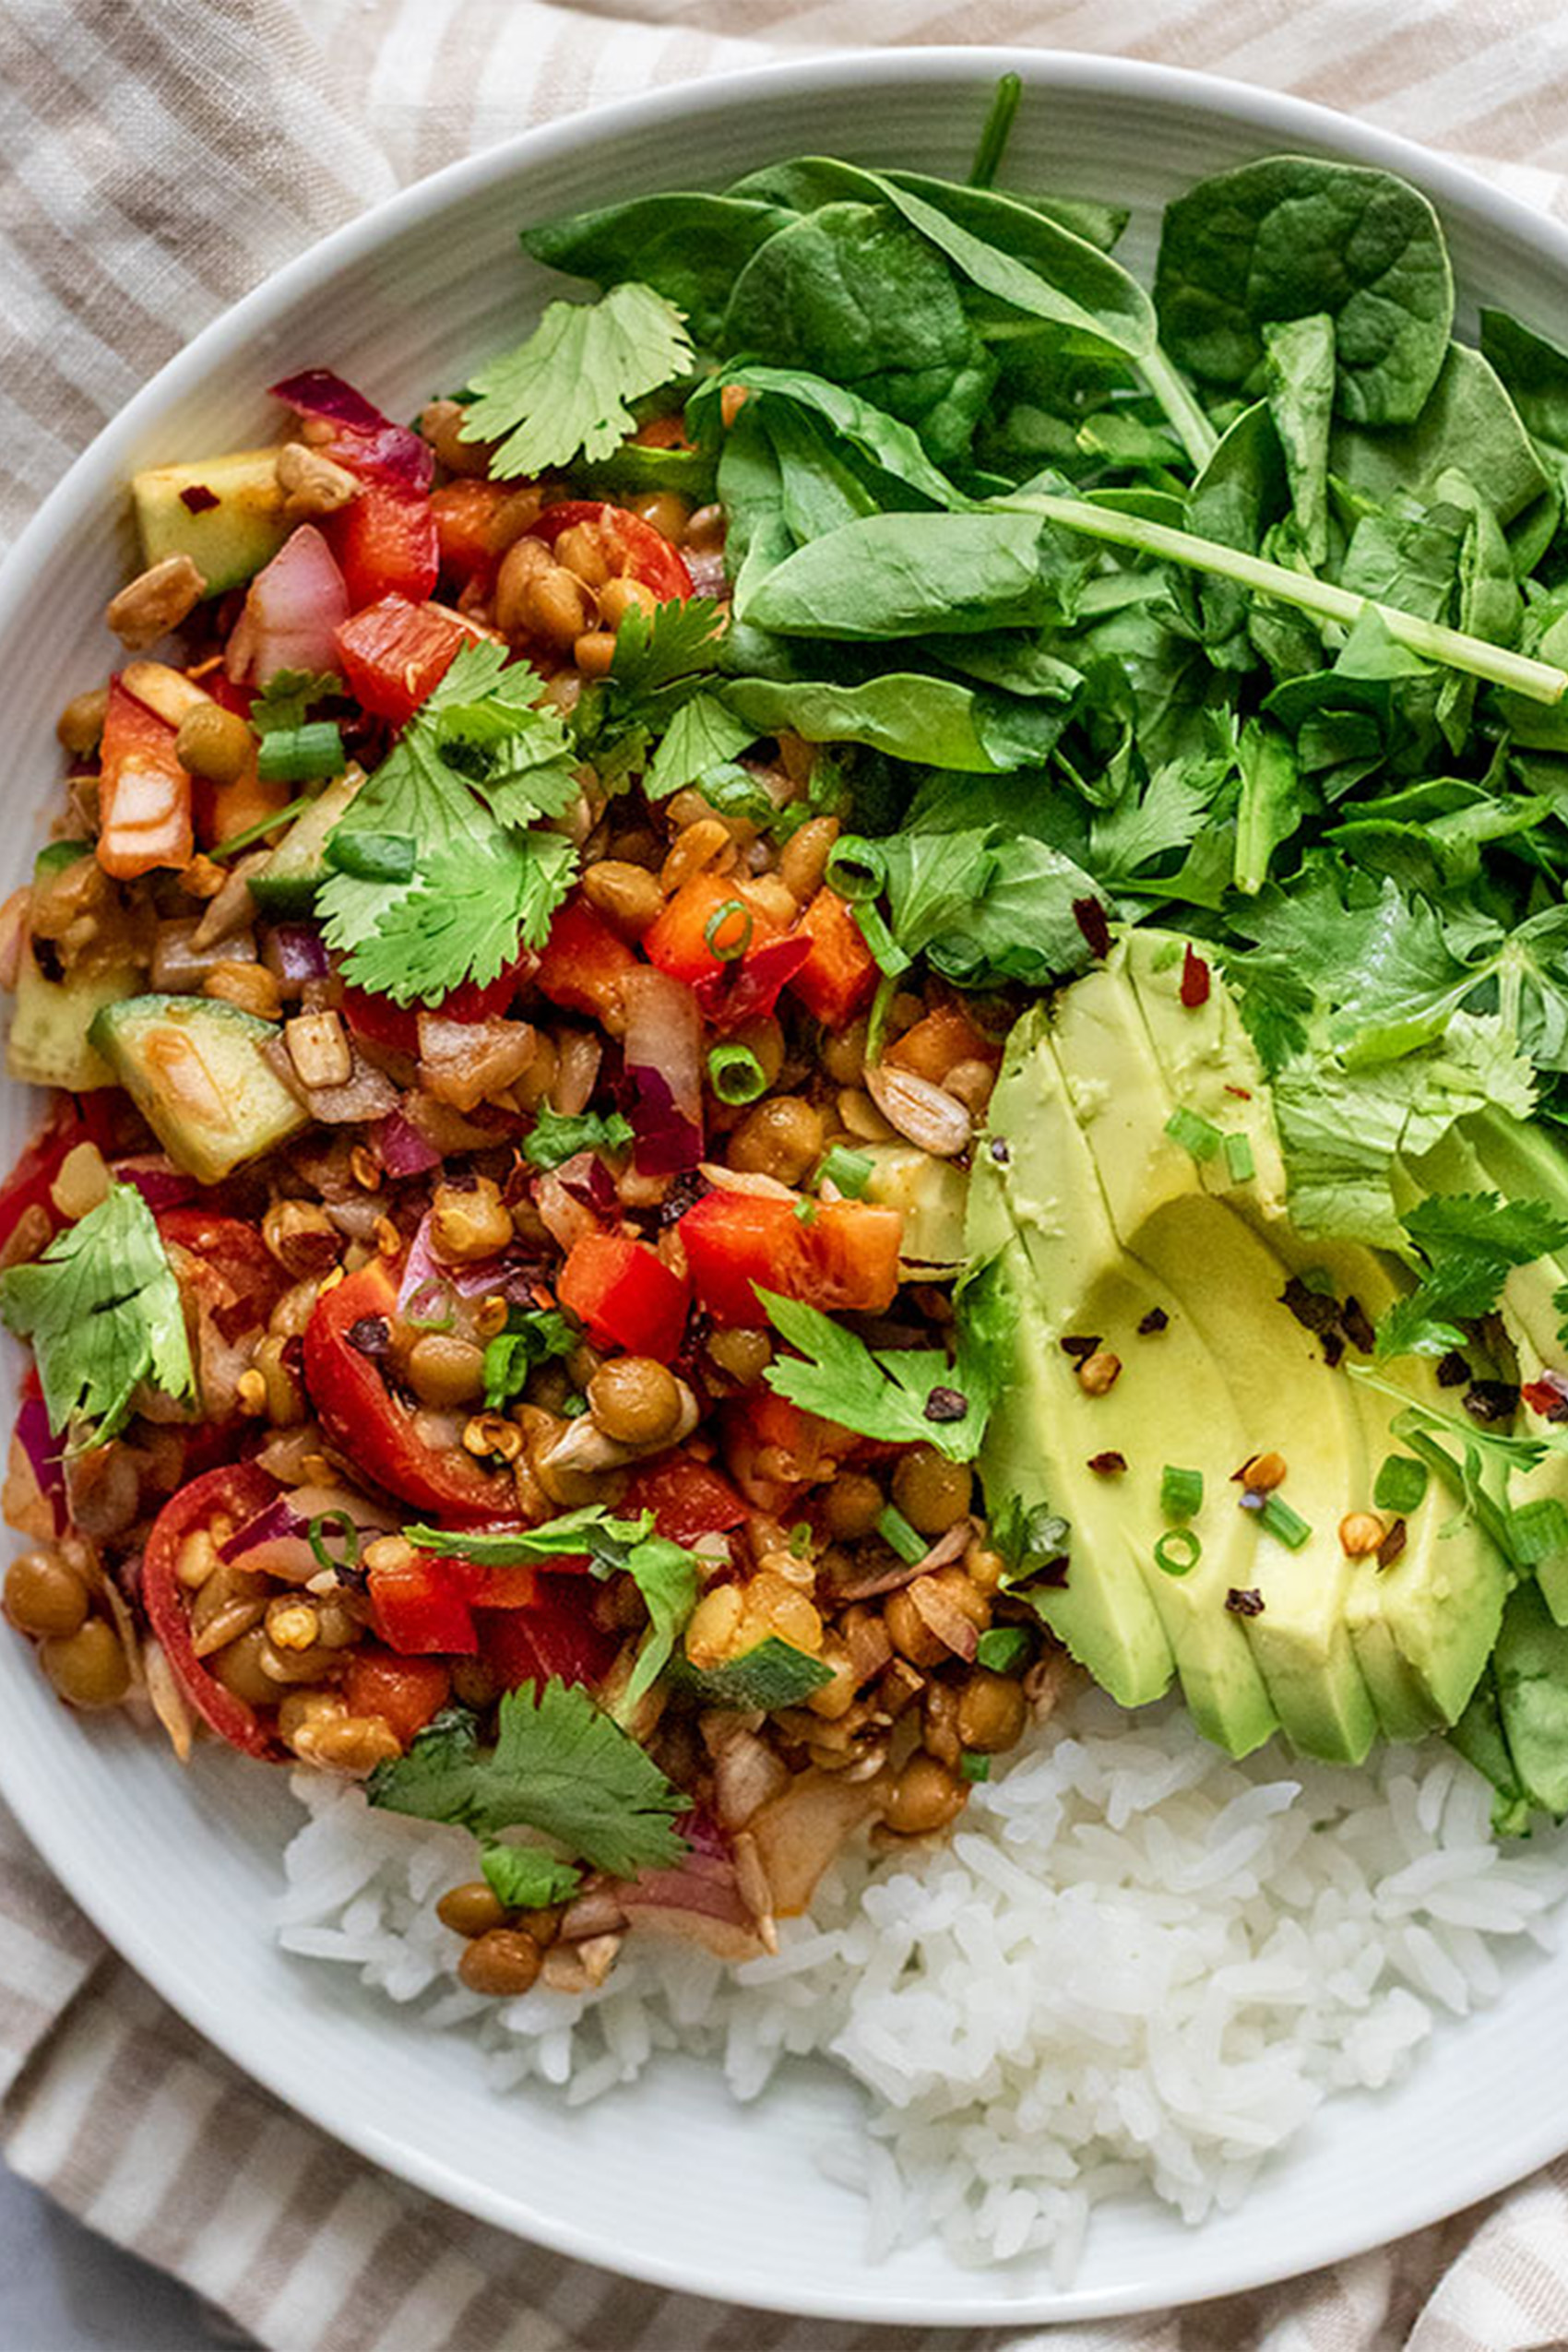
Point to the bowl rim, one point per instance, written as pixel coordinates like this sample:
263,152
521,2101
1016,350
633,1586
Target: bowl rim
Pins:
1291,124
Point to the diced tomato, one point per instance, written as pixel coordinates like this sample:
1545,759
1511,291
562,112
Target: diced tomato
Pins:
396,1027
936,1044
238,1491
775,1451
394,654
555,1639
584,967
225,1265
624,1292
372,1428
750,990
421,1610
385,545
143,797
841,1256
405,1692
679,941
78,1118
465,514
687,1497
634,550
491,1587
839,975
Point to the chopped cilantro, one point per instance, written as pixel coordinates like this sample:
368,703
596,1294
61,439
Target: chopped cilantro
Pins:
559,1136
559,1765
774,1674
524,1878
1468,1242
564,393
288,695
532,1337
103,1309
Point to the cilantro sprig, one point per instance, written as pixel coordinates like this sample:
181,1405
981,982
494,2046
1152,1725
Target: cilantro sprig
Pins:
1468,1244
559,1136
564,393
438,879
103,1309
289,695
559,1767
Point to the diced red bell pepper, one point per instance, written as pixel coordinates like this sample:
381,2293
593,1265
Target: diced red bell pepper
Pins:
238,1491
80,1119
840,1256
396,1027
555,1639
386,544
373,1428
679,941
687,1497
584,967
838,978
944,1038
624,1291
421,1609
465,512
634,548
405,1692
394,654
144,794
775,1451
750,990
225,1265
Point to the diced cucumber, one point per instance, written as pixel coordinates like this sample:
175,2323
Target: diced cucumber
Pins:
287,884
193,1066
48,1045
225,513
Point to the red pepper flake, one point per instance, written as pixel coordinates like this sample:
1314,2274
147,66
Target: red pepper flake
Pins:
1108,1466
1090,918
1245,1604
1393,1544
1079,1345
1452,1370
1355,1323
1491,1400
1546,1397
1195,981
1243,1094
197,498
1156,1319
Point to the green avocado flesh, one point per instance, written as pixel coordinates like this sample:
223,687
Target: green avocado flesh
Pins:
195,1069
226,514
1112,1231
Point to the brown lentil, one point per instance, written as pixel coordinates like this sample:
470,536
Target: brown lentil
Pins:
634,1400
471,1909
992,1712
466,1226
44,1596
741,1353
781,1137
503,1962
911,1635
851,1505
446,1370
926,1796
89,1667
933,1492
81,724
214,742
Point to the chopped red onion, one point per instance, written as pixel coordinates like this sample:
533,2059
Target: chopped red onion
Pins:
587,1179
369,443
708,574
404,1151
160,1183
278,1521
424,1273
291,614
38,1443
663,1058
299,952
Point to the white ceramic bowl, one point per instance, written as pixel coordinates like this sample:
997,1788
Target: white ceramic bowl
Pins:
669,2182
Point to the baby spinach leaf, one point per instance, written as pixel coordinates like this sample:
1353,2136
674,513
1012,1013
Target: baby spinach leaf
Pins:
910,717
1271,802
1535,373
1468,422
1292,236
689,246
908,575
883,441
1300,368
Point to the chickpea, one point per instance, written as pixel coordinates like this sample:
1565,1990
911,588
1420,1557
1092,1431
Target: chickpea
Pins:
466,1225
81,724
440,422
992,1712
581,550
89,1667
43,1596
780,1138
764,1037
445,1370
524,561
911,1636
558,605
471,1909
503,1962
619,598
628,897
238,1665
924,1797
594,651
214,742
844,1054
634,1400
852,1505
933,1492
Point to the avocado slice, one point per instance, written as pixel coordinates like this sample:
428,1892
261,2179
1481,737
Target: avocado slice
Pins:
1530,1668
193,1066
48,1044
1210,1066
225,513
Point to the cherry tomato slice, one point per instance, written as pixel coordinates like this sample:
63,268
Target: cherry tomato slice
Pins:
843,1258
238,1491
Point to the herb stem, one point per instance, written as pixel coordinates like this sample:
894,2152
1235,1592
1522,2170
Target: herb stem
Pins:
997,129
1194,430
1540,680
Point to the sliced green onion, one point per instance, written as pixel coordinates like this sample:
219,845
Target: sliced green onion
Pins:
373,857
876,1027
263,826
1239,1165
879,940
735,1073
974,1766
1181,1492
1401,1483
1178,1551
850,1171
895,1529
573,1406
1196,1135
855,869
996,131
431,1305
800,1539
1001,1648
1287,1526
1538,1531
301,754
728,950
804,1212
321,1527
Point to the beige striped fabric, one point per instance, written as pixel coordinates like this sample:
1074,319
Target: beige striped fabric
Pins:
158,159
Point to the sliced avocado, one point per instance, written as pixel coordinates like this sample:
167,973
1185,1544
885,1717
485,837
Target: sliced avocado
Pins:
194,1068
48,1044
931,1194
285,886
226,514
1531,1672
1211,1067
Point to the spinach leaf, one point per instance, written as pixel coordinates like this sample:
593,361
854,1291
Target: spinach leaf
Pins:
690,248
1300,367
884,442
908,575
1271,802
1469,423
910,717
1292,236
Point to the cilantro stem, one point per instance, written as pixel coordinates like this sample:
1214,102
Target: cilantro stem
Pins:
1540,680
997,129
263,826
1194,430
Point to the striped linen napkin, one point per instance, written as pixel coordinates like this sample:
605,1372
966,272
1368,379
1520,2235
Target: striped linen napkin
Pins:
160,160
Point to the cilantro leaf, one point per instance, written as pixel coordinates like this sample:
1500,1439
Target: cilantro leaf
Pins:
476,763
564,393
680,639
531,1338
103,1309
1168,814
287,696
559,1765
1469,1242
702,735
661,660
559,1136
774,1674
565,1537
526,1878
902,1396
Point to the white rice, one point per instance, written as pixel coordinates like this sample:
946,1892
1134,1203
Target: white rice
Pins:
1136,1963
